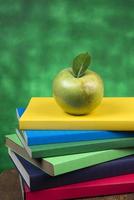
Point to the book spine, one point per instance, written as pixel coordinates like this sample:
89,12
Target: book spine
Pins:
81,147
81,192
49,137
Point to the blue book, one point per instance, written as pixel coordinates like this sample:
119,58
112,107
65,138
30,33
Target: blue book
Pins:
37,179
39,137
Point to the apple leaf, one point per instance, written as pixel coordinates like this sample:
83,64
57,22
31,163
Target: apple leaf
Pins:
80,64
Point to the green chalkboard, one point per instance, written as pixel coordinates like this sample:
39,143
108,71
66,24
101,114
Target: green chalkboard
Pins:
39,38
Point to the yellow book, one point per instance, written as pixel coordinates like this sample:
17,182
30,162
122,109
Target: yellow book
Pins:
112,114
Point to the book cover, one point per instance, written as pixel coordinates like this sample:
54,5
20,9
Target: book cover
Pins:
36,179
59,149
39,137
62,164
107,186
112,114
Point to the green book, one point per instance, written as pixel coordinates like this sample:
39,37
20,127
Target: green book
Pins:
59,149
62,164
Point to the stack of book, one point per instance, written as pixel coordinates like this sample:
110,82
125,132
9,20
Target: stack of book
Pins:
61,156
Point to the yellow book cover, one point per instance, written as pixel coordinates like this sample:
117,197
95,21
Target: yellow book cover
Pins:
112,114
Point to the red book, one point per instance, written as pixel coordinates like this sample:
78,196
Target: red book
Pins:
107,186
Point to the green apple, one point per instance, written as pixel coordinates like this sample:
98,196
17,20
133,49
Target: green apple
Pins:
78,90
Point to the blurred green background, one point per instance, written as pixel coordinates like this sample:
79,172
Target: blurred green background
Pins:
39,38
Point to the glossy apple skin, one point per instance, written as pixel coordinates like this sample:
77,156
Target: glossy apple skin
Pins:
78,96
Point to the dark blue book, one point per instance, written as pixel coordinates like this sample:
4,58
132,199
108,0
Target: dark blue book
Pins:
39,137
36,179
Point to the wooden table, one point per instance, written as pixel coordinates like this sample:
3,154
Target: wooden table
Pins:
10,188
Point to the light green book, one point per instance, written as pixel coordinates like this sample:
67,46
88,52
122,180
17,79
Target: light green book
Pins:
62,164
